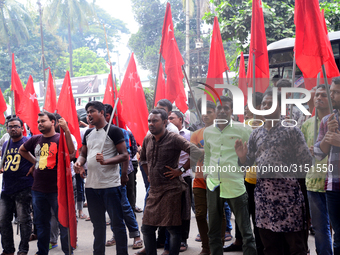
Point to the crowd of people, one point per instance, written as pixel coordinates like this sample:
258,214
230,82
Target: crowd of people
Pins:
274,210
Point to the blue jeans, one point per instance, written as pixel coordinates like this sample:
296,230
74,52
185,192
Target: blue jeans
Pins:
145,178
42,204
333,206
99,201
227,211
129,216
320,222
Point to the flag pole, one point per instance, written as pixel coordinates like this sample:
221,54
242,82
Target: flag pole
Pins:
114,96
46,88
316,118
254,91
159,66
69,241
327,88
107,130
293,82
226,74
193,97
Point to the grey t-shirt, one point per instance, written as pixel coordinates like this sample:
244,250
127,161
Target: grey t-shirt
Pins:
102,176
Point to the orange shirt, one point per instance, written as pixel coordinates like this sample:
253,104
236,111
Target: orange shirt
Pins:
197,139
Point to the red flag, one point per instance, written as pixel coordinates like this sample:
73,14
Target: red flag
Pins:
134,107
29,107
330,65
67,108
242,83
258,46
51,97
161,85
110,98
217,62
3,108
16,86
173,63
66,204
310,41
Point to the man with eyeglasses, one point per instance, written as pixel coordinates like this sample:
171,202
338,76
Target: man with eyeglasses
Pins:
328,143
16,190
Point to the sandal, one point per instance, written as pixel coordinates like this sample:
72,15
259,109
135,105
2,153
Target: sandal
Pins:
198,238
138,210
88,219
111,242
138,244
82,216
184,247
228,237
140,253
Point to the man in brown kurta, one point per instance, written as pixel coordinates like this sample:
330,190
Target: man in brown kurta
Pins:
159,158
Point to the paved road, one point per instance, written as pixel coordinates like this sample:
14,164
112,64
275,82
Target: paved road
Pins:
85,236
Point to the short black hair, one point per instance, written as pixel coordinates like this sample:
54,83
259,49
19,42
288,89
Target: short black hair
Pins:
211,105
284,83
49,115
15,119
57,116
179,115
166,103
108,108
336,80
99,106
321,86
258,98
270,93
163,113
226,99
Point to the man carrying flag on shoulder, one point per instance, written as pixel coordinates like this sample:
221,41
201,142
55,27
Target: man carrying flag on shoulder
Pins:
104,183
42,152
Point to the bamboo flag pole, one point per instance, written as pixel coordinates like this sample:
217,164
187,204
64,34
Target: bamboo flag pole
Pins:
316,119
293,83
113,80
327,88
193,97
108,128
159,66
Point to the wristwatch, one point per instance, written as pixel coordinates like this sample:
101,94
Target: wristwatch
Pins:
182,169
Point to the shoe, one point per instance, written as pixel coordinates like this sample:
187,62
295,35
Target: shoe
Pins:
21,253
33,237
198,238
111,242
82,216
184,247
7,253
52,246
232,247
138,244
138,210
227,237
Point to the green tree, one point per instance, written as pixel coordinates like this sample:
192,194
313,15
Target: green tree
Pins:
94,36
146,42
28,56
69,14
14,23
86,62
235,19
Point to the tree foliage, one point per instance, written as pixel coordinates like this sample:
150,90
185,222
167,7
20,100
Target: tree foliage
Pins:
235,19
86,62
146,42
